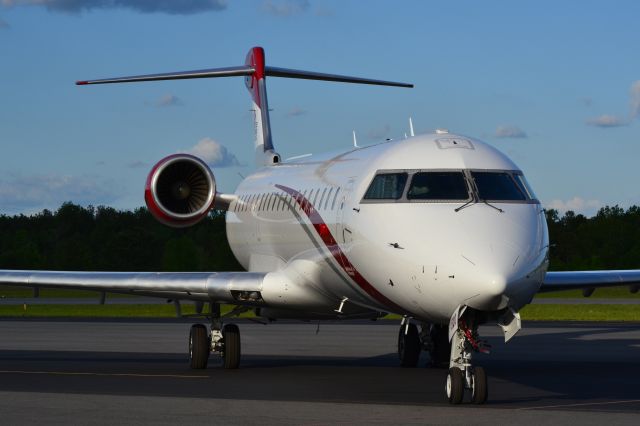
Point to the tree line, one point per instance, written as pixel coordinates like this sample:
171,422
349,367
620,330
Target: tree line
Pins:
103,239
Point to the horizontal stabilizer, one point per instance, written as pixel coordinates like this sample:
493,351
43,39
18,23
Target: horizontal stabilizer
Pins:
310,75
180,75
244,71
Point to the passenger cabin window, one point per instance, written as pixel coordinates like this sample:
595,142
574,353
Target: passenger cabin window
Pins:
438,186
386,186
497,186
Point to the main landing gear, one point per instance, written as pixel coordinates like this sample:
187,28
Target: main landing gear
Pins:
223,340
456,356
431,338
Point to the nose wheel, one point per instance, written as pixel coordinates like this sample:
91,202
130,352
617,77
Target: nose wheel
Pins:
479,390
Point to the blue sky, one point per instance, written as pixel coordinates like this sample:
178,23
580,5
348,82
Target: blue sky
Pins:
555,85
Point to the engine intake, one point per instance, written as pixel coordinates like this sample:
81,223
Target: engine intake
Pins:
180,190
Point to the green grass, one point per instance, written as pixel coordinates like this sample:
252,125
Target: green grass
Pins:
600,293
529,313
581,313
16,292
22,292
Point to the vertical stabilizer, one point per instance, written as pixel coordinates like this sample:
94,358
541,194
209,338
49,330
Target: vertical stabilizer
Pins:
256,83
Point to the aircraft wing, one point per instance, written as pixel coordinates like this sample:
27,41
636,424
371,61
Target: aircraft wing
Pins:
575,280
227,287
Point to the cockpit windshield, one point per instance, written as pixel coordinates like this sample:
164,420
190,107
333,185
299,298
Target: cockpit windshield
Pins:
497,186
438,186
443,186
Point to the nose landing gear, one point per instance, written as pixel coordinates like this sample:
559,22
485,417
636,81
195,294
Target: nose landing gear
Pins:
462,374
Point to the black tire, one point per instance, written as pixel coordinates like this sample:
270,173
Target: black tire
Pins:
440,352
198,347
455,386
408,346
231,351
479,392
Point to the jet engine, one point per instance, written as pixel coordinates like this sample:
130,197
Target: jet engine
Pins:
180,190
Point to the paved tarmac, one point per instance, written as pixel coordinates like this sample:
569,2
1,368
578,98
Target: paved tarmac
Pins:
136,372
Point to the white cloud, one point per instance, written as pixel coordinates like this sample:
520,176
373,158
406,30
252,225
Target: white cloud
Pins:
173,7
21,193
169,100
510,132
296,112
285,8
576,204
635,99
607,120
213,153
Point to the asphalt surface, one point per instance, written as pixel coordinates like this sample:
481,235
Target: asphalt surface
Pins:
136,372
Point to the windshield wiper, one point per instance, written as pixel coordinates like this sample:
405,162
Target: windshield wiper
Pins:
475,201
492,206
467,204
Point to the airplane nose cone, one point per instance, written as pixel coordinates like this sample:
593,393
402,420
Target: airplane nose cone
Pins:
491,292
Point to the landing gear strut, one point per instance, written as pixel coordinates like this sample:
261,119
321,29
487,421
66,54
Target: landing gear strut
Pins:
462,374
223,340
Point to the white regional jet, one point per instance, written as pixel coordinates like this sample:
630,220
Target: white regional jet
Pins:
442,229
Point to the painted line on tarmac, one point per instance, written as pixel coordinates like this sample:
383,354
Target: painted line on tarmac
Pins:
76,373
582,404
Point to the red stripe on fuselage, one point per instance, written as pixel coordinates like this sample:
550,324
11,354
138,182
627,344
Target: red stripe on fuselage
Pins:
332,245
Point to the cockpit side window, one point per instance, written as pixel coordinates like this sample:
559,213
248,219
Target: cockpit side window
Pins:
524,185
441,185
498,186
386,186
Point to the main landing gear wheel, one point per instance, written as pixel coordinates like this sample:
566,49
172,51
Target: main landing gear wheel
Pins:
440,350
408,345
479,390
231,346
198,347
455,385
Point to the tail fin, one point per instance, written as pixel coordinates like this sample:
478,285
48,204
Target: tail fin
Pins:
256,83
255,72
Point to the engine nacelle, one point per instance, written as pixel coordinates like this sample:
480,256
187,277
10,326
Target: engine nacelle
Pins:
180,190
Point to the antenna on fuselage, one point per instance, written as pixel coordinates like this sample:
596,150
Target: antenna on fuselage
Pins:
355,140
411,127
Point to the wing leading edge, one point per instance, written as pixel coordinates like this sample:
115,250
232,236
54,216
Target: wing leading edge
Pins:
575,280
225,287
